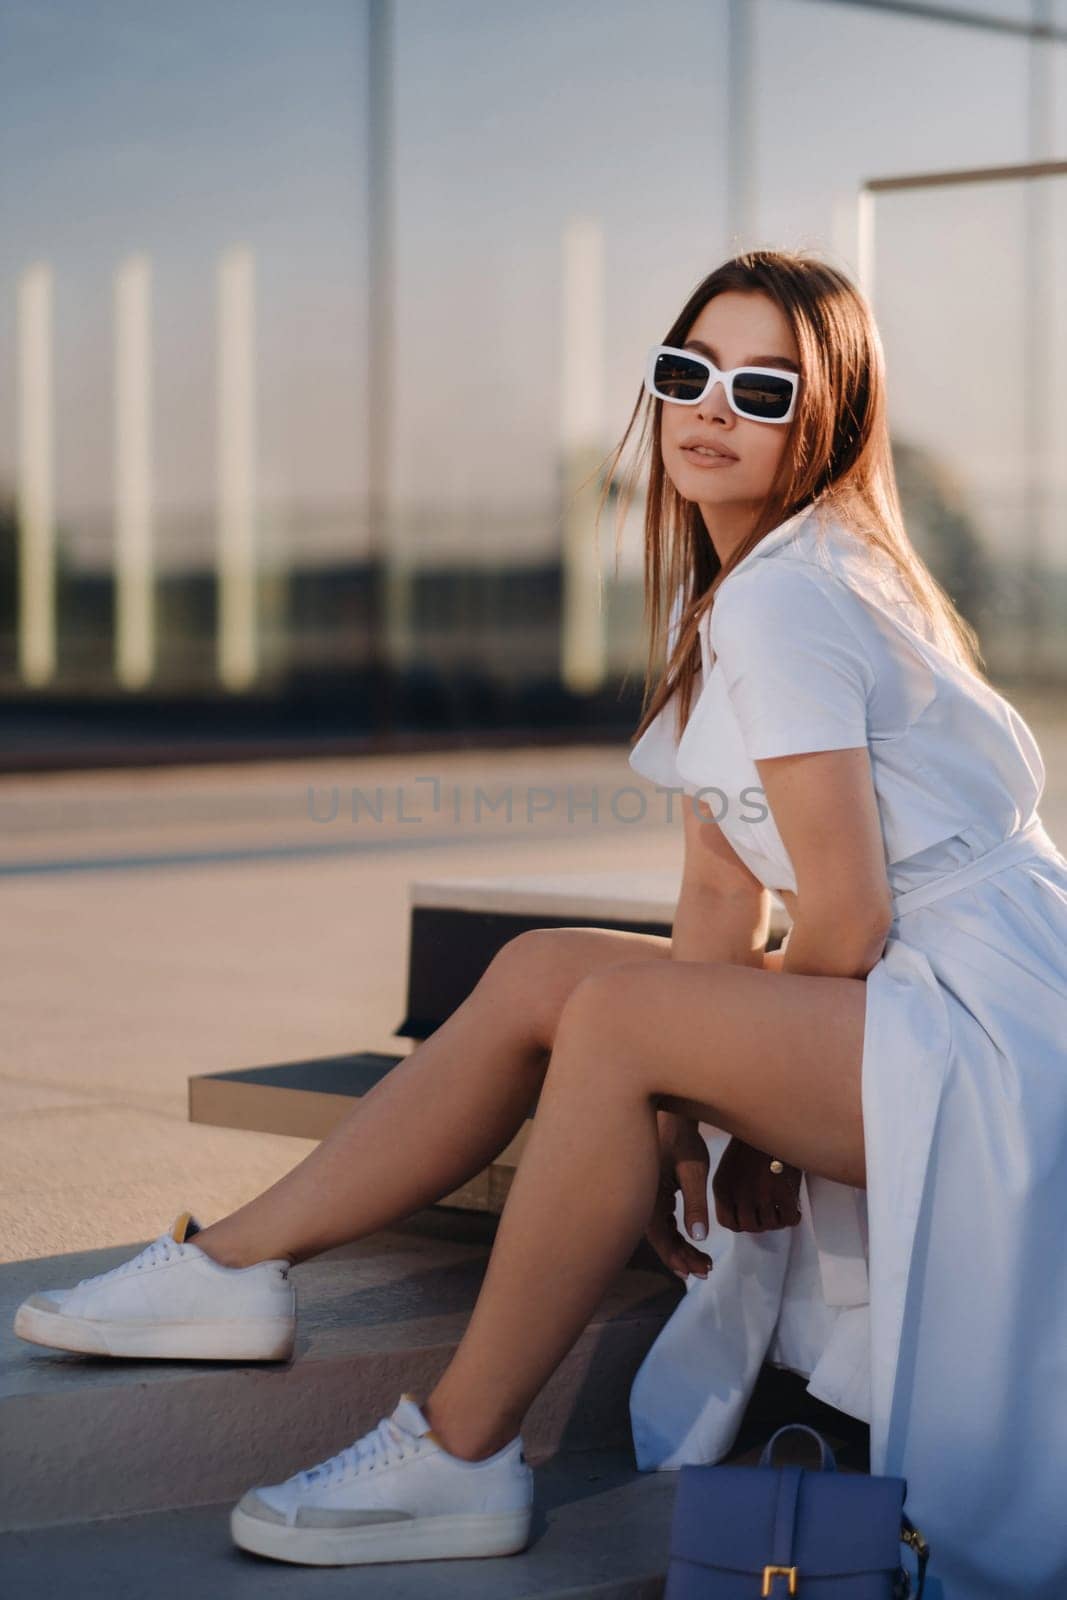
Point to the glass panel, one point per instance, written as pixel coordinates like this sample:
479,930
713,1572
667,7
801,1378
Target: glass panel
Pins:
182,243
185,239
970,289
553,213
860,93
185,289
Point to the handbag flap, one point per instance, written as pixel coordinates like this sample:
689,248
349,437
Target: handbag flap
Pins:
724,1517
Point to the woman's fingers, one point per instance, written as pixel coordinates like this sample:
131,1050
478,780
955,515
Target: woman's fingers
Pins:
672,1247
749,1197
690,1259
757,1213
693,1183
782,1192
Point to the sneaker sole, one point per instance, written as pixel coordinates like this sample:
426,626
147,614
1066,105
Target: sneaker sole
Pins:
244,1339
485,1533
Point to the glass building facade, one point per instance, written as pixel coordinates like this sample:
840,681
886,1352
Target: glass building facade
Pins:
316,321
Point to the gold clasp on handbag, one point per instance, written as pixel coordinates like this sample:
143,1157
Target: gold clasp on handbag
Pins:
913,1538
770,1573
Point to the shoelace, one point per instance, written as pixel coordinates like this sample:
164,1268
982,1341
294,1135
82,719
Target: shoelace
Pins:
383,1445
162,1249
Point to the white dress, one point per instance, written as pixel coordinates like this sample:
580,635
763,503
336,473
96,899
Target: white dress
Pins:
933,1305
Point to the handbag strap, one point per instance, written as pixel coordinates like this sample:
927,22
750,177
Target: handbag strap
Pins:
827,1459
783,1537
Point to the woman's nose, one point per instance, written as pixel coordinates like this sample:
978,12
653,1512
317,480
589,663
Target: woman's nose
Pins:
715,403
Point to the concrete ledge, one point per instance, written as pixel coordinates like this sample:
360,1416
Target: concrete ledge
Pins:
617,897
307,1099
458,924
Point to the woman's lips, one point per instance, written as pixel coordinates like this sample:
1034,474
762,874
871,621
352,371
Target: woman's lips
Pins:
707,460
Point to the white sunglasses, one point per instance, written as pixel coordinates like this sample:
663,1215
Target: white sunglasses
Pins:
765,394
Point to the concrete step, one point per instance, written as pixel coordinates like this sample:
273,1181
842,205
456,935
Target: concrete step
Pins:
601,1530
86,1436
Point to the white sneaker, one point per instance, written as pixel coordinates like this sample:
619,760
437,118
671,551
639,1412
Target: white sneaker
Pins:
394,1495
172,1300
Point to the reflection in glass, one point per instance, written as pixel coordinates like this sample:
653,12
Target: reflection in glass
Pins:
978,405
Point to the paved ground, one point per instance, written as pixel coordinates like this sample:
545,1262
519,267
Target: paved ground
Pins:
173,921
181,920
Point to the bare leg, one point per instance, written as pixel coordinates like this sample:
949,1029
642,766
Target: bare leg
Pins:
723,1043
439,1117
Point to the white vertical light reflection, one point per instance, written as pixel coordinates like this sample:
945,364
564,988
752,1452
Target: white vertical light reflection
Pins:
582,645
134,555
236,428
35,482
865,243
845,229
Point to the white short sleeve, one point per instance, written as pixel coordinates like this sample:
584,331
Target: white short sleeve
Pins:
795,667
653,754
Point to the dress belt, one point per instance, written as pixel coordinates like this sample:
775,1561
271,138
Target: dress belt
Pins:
1032,840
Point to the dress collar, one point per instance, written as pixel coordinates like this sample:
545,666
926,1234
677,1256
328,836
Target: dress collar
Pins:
768,544
777,536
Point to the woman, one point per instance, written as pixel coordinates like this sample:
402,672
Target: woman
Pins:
903,1049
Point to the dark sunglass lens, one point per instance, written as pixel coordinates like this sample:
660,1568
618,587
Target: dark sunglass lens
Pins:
760,395
679,378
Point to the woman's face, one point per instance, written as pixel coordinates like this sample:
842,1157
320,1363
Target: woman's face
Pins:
734,329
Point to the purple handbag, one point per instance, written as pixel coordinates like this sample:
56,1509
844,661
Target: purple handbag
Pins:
742,1532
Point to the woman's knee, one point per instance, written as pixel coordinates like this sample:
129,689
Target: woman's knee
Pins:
531,977
536,973
529,957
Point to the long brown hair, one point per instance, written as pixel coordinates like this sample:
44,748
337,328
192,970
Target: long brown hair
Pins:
838,452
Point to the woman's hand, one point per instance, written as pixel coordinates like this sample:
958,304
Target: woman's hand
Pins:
684,1165
749,1197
